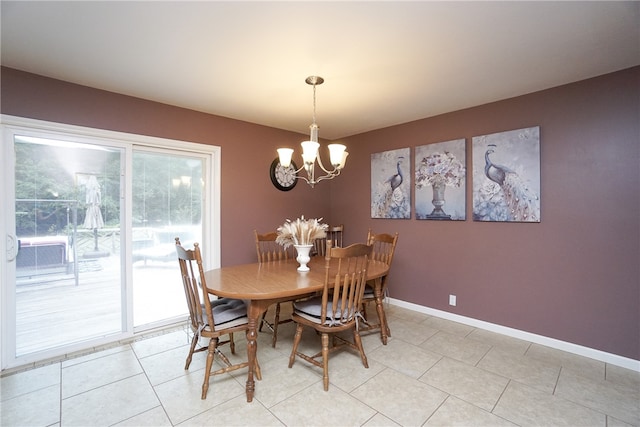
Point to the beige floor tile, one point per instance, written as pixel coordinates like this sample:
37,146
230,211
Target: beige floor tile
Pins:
78,359
168,365
471,384
28,381
235,412
527,406
401,398
395,312
278,381
526,370
36,408
371,340
503,342
181,397
614,422
456,347
155,417
583,365
411,332
380,420
448,326
623,376
161,343
315,407
347,371
94,373
109,404
406,358
455,412
617,400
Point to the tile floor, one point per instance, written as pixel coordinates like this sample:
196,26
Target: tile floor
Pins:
433,372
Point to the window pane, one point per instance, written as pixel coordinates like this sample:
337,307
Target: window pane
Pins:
167,203
68,267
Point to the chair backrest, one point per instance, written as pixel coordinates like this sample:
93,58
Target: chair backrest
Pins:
193,280
346,269
268,250
384,246
334,235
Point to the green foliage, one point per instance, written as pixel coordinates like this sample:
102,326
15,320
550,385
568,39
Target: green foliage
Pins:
50,179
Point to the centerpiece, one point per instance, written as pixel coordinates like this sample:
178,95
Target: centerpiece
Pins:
301,233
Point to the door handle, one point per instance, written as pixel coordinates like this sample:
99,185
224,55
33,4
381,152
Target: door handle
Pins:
12,248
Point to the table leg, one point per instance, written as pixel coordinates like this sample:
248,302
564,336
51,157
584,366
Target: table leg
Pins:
254,313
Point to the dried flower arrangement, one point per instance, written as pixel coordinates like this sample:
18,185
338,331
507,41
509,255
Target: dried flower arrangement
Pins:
301,232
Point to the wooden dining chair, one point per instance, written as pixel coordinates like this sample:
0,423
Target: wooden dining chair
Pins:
384,247
334,234
269,251
210,319
337,309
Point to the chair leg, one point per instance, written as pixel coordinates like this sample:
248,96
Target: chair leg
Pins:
358,341
262,321
194,342
256,370
232,344
213,344
296,342
276,321
325,360
382,319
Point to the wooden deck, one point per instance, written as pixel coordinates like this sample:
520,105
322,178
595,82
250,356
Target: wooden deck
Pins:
51,311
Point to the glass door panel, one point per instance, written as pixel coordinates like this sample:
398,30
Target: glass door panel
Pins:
68,216
167,203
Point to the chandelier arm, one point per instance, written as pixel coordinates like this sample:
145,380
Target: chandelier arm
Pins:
330,176
297,171
322,166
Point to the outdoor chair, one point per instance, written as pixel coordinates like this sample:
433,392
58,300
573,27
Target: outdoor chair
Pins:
210,319
337,309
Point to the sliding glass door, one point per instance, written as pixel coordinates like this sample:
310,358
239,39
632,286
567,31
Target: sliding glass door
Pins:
90,233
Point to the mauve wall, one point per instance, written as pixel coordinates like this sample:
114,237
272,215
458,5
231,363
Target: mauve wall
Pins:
574,277
248,201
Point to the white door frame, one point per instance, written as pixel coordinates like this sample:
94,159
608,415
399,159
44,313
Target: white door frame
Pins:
10,125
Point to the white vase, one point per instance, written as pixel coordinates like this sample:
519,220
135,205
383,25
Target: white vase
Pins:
303,256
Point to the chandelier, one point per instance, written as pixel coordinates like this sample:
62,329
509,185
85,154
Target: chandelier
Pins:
337,152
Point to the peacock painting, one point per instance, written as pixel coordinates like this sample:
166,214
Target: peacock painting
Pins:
506,176
390,184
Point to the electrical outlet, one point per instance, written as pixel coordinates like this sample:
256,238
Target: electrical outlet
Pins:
452,300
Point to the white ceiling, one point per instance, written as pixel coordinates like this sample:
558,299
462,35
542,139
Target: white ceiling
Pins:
384,63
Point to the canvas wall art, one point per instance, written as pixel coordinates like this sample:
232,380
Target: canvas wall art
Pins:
440,176
506,176
391,184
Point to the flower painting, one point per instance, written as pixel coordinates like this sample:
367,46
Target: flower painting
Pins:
390,184
506,176
440,181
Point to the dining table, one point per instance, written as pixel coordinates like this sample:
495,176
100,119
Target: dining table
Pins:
267,283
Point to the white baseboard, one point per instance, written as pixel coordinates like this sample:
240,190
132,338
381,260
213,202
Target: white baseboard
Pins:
602,356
